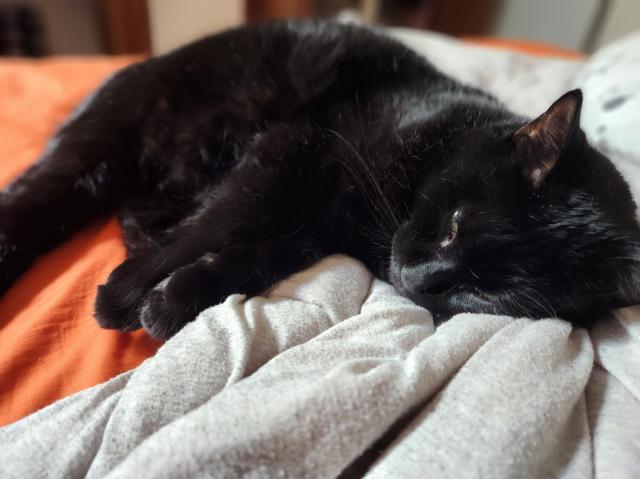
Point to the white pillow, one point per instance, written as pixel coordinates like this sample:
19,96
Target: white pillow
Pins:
525,84
610,81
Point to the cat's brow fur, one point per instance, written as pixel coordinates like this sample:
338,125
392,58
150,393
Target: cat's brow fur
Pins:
246,156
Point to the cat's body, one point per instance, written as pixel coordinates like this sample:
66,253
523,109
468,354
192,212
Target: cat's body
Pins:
249,155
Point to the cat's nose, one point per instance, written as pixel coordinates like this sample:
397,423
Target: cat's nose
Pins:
432,277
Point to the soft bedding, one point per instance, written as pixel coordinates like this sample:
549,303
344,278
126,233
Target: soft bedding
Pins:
301,383
332,371
50,344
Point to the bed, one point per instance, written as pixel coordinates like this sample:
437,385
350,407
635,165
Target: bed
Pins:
331,373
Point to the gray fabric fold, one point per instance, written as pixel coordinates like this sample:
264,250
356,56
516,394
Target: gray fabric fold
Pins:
303,382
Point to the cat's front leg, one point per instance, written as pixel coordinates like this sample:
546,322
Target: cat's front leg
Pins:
167,287
87,169
256,221
179,298
248,269
120,299
16,255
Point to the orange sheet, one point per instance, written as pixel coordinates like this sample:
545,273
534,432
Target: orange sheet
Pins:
525,46
50,345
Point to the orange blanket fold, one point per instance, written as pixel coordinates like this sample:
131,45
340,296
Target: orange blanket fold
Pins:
50,344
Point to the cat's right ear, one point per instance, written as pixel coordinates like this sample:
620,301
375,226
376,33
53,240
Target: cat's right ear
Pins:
542,141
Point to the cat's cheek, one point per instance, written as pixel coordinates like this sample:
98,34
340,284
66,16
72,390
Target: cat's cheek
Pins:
444,307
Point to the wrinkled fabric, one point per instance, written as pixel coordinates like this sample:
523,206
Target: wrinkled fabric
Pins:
306,381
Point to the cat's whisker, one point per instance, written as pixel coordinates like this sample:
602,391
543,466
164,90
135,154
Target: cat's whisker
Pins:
519,307
540,301
369,165
371,201
382,204
368,168
473,273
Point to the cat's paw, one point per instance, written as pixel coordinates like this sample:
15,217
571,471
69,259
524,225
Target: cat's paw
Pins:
162,318
180,298
13,262
119,300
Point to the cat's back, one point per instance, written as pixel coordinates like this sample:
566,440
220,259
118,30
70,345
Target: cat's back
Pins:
217,97
287,63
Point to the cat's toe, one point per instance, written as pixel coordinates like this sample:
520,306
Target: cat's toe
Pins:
162,318
196,281
115,309
180,298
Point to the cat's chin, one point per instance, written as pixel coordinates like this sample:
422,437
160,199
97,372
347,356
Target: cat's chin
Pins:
463,299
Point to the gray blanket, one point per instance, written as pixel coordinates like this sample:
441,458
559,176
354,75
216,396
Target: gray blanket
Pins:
303,382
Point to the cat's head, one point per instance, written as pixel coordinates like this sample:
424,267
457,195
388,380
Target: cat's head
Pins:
525,220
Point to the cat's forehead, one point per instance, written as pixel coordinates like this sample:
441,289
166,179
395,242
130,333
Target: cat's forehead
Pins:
483,178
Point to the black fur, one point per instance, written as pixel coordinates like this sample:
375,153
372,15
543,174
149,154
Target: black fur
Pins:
249,155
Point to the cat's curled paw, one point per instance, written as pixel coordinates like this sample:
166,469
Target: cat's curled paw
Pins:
162,318
180,298
119,300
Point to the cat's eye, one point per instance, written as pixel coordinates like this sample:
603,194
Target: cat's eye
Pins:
452,232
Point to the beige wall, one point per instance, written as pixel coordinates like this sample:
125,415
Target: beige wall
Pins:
176,22
622,17
576,24
566,23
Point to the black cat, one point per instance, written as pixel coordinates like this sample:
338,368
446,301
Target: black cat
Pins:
249,155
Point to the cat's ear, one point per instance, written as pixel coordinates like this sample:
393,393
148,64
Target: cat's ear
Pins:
541,142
